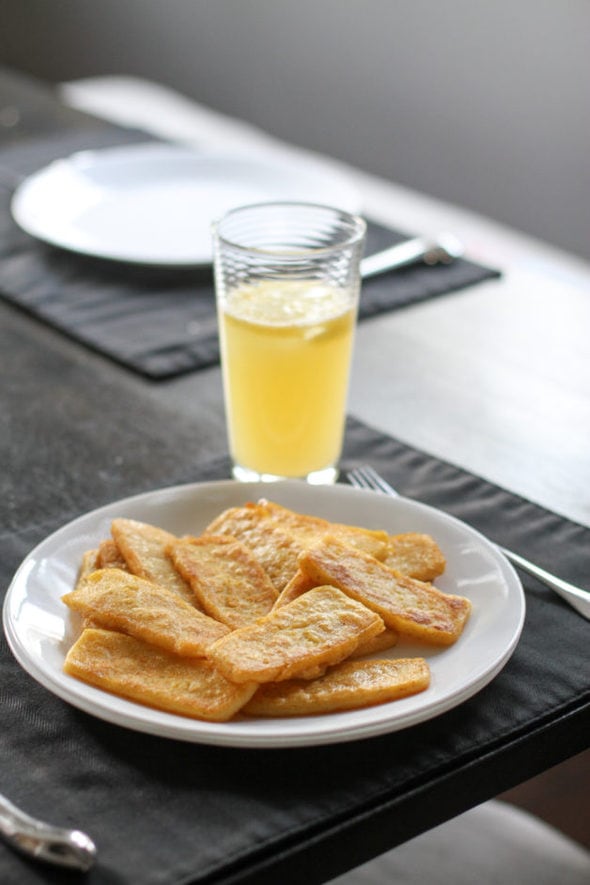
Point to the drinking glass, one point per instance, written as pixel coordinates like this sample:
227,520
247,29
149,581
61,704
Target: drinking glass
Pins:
287,286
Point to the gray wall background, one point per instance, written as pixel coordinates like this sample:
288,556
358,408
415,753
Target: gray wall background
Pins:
485,104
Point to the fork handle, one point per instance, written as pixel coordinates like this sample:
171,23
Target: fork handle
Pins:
579,599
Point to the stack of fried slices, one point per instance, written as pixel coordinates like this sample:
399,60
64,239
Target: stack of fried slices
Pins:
267,613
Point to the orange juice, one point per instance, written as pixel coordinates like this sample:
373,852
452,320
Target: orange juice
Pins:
286,349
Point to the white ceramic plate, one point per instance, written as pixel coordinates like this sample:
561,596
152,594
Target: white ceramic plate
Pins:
154,203
40,630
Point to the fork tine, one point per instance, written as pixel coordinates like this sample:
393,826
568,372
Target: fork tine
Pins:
356,478
366,477
378,482
362,479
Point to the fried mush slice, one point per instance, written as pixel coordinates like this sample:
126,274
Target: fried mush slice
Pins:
88,564
415,555
301,583
348,686
308,529
228,581
277,535
109,556
133,669
381,642
116,600
318,629
143,548
410,607
276,550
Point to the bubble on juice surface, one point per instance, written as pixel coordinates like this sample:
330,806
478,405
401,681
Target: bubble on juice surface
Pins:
287,302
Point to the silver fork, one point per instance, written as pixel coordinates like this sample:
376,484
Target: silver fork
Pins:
366,477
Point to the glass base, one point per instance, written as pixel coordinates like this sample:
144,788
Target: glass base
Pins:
327,476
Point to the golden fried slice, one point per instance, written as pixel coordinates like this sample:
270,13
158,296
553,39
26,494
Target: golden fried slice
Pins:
372,646
88,564
143,547
347,686
278,535
370,541
308,529
226,578
383,641
116,600
299,583
275,550
237,521
415,555
109,556
320,628
133,669
410,607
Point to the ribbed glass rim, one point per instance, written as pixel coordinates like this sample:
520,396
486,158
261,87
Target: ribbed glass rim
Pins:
358,225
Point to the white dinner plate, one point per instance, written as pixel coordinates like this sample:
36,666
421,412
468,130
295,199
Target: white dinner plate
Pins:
40,628
154,203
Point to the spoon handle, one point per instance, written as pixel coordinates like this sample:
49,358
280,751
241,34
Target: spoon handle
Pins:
43,841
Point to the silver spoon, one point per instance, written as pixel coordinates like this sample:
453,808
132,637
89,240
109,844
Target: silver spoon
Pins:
43,841
442,249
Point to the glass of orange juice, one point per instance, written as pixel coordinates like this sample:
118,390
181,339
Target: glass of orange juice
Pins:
287,285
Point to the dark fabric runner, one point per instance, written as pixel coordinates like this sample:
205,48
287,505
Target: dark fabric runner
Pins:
157,322
164,812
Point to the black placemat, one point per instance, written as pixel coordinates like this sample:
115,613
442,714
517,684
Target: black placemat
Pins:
164,812
158,322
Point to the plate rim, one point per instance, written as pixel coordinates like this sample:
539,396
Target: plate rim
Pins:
100,704
25,218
